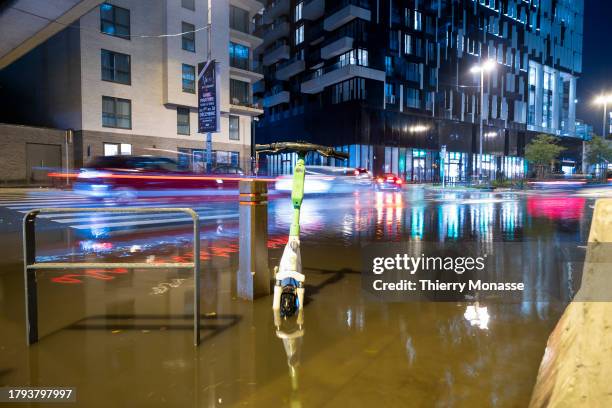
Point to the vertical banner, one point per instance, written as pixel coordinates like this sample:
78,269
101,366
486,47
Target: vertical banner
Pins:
208,105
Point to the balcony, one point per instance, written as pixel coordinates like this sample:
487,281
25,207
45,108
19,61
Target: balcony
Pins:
344,15
290,68
338,73
276,9
259,87
313,9
244,37
340,46
245,108
276,31
277,54
244,73
276,99
253,6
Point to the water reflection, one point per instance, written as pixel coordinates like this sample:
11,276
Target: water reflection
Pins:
291,333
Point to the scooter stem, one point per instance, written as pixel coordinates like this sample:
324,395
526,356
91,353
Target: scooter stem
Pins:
297,193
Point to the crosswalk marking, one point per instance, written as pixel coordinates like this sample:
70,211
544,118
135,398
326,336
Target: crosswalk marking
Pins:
166,221
116,222
95,217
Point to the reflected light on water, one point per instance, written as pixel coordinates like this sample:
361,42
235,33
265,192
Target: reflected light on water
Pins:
477,316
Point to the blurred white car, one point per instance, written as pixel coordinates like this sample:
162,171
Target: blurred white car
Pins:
327,179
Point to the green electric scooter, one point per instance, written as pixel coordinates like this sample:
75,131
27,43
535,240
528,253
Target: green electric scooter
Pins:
289,286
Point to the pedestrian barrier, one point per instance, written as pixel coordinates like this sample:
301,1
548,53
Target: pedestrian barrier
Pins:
30,265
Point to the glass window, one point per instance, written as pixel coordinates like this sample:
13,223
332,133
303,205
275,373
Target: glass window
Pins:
125,148
413,98
412,72
188,4
234,127
407,44
298,11
239,92
188,78
115,67
239,19
389,65
116,112
239,56
111,149
418,25
188,36
115,21
299,35
350,89
182,121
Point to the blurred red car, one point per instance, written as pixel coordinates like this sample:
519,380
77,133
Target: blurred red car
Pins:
389,181
129,177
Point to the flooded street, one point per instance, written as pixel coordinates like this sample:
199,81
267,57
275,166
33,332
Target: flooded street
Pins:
124,337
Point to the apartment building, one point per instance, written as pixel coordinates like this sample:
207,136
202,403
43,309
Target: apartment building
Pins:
124,78
392,82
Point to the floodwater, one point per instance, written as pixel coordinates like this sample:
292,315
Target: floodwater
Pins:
124,337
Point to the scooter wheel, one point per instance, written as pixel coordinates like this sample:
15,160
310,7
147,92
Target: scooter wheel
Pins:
288,302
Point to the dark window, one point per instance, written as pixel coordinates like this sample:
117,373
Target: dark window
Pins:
188,4
351,89
188,37
188,78
182,121
239,56
115,67
116,112
412,72
115,20
239,19
413,98
239,92
234,127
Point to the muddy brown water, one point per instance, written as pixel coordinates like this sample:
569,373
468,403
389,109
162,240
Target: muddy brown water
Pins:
124,338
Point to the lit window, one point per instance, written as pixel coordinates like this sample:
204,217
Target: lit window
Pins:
407,44
298,11
238,56
115,21
299,35
188,78
417,20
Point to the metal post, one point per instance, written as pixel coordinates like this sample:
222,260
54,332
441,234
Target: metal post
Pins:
253,272
30,287
603,129
196,279
479,161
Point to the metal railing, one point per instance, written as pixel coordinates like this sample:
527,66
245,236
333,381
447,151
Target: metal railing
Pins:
30,265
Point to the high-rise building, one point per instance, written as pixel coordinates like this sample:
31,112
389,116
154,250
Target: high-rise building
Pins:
124,78
393,82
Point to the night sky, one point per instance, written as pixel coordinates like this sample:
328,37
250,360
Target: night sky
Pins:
596,61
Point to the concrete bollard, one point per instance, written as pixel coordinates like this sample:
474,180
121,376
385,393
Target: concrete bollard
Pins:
254,276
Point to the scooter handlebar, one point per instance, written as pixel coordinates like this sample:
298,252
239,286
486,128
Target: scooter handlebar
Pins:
301,147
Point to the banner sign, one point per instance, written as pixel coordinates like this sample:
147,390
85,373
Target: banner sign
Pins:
208,99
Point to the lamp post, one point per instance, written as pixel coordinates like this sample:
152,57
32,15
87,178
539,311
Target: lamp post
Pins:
604,100
486,66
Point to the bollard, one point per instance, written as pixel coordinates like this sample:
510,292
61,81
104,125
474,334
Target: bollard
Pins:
253,272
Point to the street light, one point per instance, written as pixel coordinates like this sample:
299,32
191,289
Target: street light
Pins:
486,66
604,100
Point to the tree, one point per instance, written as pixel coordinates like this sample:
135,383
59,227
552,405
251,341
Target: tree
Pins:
541,152
599,151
